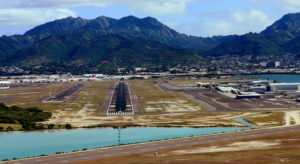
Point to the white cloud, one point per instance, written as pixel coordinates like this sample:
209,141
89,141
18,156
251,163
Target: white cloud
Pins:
233,22
238,22
290,5
286,5
29,13
161,7
158,7
32,16
255,20
218,28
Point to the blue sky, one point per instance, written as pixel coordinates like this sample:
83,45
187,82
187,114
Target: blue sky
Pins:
193,17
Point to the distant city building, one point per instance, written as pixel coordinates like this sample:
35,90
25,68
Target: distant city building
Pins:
138,69
277,64
94,75
121,69
274,64
193,70
263,64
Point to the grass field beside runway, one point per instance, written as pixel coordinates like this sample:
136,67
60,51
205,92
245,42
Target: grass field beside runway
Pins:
153,99
83,105
268,119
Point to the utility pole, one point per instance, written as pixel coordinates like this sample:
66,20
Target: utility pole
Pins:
119,135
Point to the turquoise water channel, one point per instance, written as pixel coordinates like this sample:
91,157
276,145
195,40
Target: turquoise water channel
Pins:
30,144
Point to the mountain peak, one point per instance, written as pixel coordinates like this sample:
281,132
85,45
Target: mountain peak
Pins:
103,17
101,22
288,23
67,24
69,17
291,16
133,22
285,29
149,18
131,17
148,28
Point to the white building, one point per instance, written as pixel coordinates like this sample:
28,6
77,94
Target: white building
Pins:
258,89
277,64
200,84
258,82
285,86
94,75
227,89
4,84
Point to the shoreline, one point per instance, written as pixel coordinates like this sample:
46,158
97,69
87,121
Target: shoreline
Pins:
124,145
143,126
122,127
142,143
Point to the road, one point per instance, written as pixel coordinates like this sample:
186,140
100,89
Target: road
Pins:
153,146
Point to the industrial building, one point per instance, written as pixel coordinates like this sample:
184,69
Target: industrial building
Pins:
4,84
203,84
258,89
257,82
248,95
94,75
284,86
226,89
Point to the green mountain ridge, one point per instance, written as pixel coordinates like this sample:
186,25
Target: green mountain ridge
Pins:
249,44
148,28
75,43
81,50
284,30
279,38
104,44
293,46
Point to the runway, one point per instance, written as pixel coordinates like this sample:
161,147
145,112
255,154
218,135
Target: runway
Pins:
62,96
152,146
120,101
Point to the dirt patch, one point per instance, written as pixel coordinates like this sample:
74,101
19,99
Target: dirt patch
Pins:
83,117
153,98
292,118
170,106
236,146
287,151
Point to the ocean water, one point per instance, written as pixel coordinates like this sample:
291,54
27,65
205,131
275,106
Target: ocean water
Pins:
285,78
30,144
